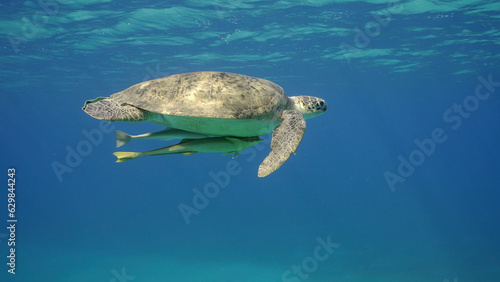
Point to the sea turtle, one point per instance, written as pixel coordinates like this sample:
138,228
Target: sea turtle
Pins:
216,104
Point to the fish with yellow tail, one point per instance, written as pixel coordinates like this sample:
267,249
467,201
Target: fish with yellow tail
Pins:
224,145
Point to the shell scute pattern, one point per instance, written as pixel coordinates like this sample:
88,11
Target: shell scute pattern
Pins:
206,94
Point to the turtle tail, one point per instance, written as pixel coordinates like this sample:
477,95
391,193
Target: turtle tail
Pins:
110,109
126,156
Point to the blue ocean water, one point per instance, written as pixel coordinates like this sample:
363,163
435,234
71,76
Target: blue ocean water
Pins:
397,181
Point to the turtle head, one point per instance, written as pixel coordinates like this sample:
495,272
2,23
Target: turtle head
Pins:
308,106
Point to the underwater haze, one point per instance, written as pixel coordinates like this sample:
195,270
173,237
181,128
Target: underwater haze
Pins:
398,181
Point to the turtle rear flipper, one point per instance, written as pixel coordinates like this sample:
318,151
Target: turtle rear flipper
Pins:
286,138
110,109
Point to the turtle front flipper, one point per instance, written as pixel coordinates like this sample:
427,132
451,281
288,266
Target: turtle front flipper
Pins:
112,110
286,138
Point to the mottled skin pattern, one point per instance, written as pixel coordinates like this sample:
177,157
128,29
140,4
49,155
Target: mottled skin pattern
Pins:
112,109
216,103
286,139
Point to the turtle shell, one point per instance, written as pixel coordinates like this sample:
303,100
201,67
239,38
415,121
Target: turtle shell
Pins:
205,94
